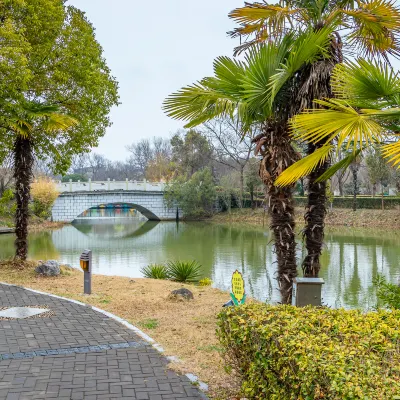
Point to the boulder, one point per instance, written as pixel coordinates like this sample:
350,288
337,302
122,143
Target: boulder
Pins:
48,268
181,295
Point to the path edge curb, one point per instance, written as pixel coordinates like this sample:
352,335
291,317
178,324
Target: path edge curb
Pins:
193,378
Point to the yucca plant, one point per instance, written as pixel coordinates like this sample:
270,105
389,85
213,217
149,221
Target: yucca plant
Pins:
184,271
155,271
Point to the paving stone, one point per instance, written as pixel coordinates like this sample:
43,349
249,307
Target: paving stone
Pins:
78,353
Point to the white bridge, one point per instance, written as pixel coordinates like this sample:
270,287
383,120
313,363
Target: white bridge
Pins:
146,197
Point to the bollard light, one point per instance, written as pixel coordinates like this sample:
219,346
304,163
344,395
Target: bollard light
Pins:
85,261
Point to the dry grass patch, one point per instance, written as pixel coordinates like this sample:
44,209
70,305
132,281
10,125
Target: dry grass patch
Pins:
185,329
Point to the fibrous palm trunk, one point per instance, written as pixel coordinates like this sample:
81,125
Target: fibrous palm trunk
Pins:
278,154
23,165
314,82
315,220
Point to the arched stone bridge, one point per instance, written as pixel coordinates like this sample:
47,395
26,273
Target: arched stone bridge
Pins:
77,197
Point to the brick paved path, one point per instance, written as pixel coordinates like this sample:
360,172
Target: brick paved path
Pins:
79,353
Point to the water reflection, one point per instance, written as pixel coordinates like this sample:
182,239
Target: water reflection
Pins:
122,246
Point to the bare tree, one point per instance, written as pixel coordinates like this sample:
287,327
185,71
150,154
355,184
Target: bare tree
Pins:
6,174
230,146
141,154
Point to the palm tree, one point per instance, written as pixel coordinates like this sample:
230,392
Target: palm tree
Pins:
257,91
359,27
365,113
22,124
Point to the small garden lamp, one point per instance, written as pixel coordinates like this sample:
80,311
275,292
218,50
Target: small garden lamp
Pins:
85,261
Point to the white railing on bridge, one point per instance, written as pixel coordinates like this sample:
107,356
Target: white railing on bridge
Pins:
109,185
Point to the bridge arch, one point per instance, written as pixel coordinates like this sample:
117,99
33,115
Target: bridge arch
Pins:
152,205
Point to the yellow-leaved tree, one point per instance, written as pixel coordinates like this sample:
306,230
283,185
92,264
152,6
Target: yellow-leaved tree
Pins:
44,194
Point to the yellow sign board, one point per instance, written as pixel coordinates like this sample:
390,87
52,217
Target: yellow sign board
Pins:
238,293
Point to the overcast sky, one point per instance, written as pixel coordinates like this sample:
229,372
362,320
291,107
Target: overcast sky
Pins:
154,48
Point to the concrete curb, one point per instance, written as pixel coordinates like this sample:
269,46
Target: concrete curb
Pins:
193,378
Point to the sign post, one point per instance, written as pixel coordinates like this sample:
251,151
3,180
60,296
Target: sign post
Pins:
238,293
86,264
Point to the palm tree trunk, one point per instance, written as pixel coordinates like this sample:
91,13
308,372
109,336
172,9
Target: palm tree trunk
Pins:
278,154
23,165
315,83
314,218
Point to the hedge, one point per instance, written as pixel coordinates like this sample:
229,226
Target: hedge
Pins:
285,352
338,202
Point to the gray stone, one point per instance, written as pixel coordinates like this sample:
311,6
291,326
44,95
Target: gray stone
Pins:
48,268
181,294
21,312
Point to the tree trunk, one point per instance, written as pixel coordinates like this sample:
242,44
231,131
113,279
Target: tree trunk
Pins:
314,82
242,184
252,197
340,184
278,154
354,170
373,190
23,165
314,218
383,201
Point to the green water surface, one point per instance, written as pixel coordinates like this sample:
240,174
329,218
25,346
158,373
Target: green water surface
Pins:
122,246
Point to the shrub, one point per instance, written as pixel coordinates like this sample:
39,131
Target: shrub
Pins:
155,271
195,196
365,202
44,194
7,204
284,352
184,271
388,293
205,282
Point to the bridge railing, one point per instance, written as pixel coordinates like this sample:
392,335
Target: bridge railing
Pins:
109,185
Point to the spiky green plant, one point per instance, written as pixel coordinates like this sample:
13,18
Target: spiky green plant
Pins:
184,271
155,271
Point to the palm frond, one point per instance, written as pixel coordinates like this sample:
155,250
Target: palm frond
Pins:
258,17
21,127
342,164
228,76
337,120
376,27
304,167
262,63
198,103
211,97
59,122
306,49
392,153
365,80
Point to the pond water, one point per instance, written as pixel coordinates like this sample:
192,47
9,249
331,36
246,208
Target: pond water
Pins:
122,246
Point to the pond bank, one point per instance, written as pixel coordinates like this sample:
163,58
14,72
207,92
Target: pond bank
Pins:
364,218
185,329
35,225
